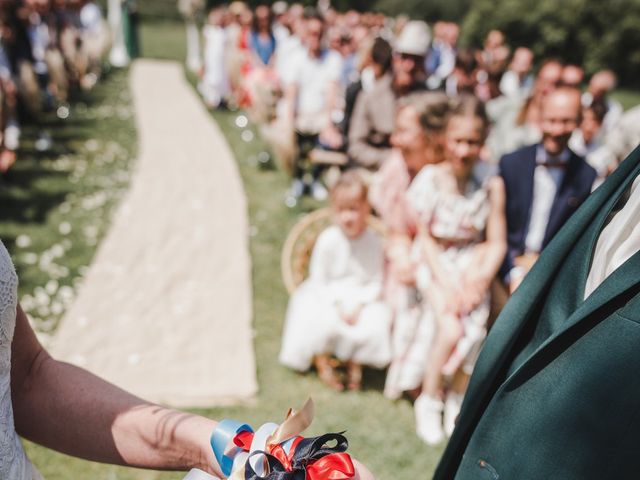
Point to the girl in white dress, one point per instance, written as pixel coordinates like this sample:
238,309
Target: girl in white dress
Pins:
460,245
337,310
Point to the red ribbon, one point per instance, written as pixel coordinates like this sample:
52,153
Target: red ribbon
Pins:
336,466
243,440
278,452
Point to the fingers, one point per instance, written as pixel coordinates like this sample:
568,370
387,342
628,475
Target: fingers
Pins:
362,472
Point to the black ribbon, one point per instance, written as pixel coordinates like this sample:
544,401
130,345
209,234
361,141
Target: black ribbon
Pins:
308,451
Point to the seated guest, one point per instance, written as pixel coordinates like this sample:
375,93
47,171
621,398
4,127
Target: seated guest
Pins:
417,141
517,81
545,183
463,78
601,84
516,121
376,63
617,143
459,246
262,39
312,96
588,136
572,76
337,310
441,57
374,114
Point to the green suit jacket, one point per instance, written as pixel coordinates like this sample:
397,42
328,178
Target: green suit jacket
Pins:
570,409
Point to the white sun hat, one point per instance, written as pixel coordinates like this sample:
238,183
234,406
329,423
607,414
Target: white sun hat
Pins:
414,38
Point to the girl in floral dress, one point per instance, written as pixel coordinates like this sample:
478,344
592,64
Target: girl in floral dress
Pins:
460,245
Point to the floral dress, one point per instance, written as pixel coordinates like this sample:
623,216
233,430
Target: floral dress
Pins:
458,223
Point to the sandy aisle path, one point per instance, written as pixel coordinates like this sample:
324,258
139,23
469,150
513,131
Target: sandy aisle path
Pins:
165,309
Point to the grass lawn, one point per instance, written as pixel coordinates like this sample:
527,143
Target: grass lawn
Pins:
380,431
61,203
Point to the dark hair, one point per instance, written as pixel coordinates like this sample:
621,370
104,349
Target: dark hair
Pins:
599,110
255,21
311,13
466,60
382,53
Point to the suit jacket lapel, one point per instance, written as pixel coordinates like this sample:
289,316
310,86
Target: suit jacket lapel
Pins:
564,197
499,344
624,279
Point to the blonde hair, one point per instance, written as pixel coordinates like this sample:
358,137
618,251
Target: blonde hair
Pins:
352,184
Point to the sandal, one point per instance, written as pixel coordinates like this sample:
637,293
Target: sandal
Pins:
327,374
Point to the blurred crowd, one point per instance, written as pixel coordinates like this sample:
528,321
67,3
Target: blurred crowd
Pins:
48,49
471,159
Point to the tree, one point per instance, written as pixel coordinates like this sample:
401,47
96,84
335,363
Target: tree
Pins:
586,32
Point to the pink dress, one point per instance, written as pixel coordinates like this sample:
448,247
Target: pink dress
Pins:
388,195
410,337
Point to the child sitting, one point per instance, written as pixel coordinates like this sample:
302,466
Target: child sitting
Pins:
337,310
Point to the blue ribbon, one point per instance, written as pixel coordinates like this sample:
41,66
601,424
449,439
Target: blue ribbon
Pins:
221,437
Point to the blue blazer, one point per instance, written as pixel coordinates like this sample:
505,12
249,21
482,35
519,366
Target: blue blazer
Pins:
517,170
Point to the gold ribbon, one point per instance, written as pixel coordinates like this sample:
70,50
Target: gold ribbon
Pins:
294,424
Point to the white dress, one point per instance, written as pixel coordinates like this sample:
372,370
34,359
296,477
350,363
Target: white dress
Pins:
14,464
342,272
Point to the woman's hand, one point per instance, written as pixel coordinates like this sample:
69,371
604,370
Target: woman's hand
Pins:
446,298
404,270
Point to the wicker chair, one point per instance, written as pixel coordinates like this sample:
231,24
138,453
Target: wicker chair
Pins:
296,252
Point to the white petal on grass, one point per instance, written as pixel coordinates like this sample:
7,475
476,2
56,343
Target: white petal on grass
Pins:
57,250
51,287
57,308
30,258
27,302
41,297
90,231
23,241
64,228
241,121
247,136
66,294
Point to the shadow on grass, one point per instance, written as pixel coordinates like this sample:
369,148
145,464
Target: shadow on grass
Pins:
19,203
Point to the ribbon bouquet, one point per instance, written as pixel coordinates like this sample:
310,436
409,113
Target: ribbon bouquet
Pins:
279,452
